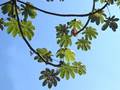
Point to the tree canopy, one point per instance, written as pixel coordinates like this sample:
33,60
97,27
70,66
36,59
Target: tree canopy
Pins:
19,23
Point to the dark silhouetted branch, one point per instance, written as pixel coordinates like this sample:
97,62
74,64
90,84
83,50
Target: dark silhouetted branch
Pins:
28,44
64,15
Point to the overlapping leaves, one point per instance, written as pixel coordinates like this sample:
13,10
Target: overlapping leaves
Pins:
27,28
50,77
44,53
63,39
68,70
9,9
67,54
98,17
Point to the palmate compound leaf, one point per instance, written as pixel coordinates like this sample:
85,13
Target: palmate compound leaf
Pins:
75,24
69,55
27,27
9,9
49,77
60,53
28,11
66,54
79,68
45,53
90,33
67,70
64,41
97,17
110,22
83,44
61,29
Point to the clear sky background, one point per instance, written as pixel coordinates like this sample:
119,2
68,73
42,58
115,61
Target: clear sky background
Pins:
18,70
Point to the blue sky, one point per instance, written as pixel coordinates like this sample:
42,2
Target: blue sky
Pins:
18,70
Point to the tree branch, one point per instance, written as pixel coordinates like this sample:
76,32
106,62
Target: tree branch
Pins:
88,20
28,44
64,15
4,3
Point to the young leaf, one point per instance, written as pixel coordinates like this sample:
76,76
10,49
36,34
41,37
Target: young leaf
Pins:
79,68
27,28
69,55
66,71
9,9
90,33
83,44
75,24
64,41
97,17
60,53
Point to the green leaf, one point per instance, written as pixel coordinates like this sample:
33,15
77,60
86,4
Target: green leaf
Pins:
79,68
67,74
62,73
97,17
111,22
72,73
44,53
90,33
75,24
9,9
64,41
66,71
61,30
28,11
27,28
60,53
83,44
69,55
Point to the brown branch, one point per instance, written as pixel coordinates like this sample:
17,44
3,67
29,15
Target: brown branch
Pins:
88,20
4,3
64,15
28,44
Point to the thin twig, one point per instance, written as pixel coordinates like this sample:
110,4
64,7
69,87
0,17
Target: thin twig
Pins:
88,20
64,15
109,11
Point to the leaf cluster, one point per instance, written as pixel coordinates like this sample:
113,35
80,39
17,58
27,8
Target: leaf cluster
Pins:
110,22
27,27
68,70
49,77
